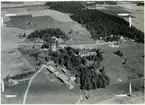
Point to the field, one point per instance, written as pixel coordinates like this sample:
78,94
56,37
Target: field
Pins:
35,22
137,12
17,22
109,94
15,90
20,4
15,10
40,18
35,8
47,89
12,61
110,9
113,63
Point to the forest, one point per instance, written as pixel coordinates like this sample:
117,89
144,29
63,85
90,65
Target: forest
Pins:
98,23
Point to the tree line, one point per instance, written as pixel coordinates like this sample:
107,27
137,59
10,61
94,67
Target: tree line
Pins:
22,75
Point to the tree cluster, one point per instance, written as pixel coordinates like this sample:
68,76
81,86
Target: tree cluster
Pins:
91,80
48,43
47,34
71,59
97,22
21,76
40,57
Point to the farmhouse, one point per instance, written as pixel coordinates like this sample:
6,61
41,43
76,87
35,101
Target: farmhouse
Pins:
65,79
62,77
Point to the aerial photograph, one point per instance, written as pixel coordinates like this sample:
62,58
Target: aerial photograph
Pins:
72,52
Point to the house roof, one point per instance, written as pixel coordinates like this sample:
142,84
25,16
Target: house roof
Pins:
63,77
